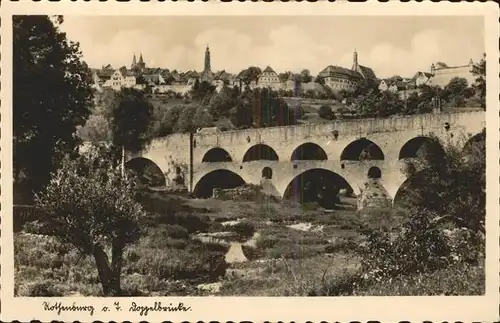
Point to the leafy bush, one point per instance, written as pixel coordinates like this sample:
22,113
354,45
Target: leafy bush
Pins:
195,261
326,112
176,231
460,279
244,229
46,288
418,246
177,243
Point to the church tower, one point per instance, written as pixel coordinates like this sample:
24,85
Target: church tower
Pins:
134,63
355,65
207,59
140,65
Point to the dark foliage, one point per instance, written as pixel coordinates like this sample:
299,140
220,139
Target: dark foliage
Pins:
51,97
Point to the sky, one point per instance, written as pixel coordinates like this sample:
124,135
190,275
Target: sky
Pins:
389,45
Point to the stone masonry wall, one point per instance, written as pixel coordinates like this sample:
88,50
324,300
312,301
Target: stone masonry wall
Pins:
374,196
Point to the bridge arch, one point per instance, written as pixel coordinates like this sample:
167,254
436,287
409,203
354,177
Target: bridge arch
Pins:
216,154
374,172
309,151
267,173
411,186
148,171
317,185
421,147
260,152
475,144
221,178
362,149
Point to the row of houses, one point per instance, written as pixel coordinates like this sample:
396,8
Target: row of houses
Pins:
440,75
336,78
139,76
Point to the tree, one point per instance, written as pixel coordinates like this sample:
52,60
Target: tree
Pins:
364,87
241,116
269,110
89,204
202,119
51,97
284,76
96,129
202,92
131,118
453,185
480,82
250,74
457,91
305,76
222,102
186,118
326,112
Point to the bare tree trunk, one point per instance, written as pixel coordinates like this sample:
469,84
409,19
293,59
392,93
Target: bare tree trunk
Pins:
116,265
110,279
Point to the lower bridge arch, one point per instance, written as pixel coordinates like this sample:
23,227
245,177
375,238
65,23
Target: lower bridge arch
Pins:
220,178
148,171
318,185
475,144
414,188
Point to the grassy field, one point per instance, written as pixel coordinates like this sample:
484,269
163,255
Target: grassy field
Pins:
215,247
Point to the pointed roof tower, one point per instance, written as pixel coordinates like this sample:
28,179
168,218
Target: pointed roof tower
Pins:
134,62
141,61
355,65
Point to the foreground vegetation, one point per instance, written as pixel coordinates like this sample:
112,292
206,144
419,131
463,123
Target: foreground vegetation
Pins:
331,258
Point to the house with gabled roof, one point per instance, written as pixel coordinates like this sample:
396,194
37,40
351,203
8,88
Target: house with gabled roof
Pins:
421,78
340,78
269,79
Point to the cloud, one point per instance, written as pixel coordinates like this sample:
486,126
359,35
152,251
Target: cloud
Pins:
426,47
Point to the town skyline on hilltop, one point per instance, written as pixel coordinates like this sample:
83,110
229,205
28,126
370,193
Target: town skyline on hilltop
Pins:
389,45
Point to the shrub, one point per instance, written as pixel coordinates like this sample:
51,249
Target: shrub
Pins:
190,263
326,112
418,246
131,255
340,285
244,229
176,231
459,279
177,243
46,288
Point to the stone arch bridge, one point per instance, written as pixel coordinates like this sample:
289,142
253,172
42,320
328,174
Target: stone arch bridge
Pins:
345,150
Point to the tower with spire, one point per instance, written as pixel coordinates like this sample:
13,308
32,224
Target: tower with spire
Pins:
207,60
134,63
138,65
355,65
207,75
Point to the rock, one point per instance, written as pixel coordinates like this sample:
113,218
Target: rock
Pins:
235,254
253,240
211,287
301,226
230,223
